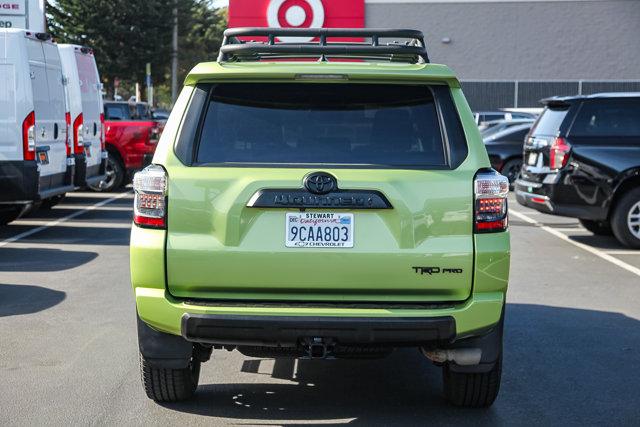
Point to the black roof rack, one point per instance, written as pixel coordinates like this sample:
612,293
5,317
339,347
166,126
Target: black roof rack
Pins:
234,49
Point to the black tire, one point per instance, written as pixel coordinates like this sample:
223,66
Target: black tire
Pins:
600,228
625,220
116,175
511,170
51,202
472,390
9,214
169,385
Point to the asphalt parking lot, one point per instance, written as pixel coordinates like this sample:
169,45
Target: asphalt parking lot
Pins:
68,350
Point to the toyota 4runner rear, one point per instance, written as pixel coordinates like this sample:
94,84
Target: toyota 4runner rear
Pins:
321,209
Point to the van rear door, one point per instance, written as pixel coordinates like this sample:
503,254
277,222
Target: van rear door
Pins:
91,109
10,123
50,124
323,192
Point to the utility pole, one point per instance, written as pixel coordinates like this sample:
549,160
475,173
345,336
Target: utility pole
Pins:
149,84
174,56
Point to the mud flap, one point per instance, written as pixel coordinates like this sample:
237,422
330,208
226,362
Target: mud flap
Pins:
163,350
491,345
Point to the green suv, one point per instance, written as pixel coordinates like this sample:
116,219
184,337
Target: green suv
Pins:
330,199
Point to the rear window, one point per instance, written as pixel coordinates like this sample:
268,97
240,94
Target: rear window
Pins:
124,111
293,123
549,122
117,112
611,117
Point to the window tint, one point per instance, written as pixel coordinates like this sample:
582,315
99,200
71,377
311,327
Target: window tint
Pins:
321,124
610,117
549,122
116,112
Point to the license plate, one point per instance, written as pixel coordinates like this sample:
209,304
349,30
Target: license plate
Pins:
43,158
87,151
532,159
319,230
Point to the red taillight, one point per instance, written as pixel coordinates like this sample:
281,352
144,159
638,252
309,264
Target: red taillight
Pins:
102,132
559,153
78,138
67,120
29,136
490,210
150,201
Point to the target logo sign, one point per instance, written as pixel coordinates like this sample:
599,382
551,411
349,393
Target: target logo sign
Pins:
296,14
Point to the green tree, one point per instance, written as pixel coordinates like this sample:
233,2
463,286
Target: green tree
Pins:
125,35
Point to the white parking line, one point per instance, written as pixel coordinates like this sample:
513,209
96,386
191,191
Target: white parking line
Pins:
63,219
594,251
571,230
623,252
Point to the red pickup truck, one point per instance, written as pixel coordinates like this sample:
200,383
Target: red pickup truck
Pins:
131,136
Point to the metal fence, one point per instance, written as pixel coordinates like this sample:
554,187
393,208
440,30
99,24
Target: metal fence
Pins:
493,94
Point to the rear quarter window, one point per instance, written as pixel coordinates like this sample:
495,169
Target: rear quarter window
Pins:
346,124
549,122
609,117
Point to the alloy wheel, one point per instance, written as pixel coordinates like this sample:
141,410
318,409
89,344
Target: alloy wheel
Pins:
633,220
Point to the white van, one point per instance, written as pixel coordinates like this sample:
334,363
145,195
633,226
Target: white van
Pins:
33,130
85,112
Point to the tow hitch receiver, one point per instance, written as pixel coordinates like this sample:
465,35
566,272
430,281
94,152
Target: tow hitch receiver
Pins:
318,348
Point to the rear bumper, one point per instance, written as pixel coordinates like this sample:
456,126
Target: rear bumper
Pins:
289,331
18,181
282,324
541,197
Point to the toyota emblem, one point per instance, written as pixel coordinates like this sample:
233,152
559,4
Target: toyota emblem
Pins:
320,183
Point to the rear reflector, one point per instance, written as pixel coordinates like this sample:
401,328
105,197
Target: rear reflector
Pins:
538,200
150,201
490,210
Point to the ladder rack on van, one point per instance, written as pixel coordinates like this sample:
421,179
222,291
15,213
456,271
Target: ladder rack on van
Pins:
412,51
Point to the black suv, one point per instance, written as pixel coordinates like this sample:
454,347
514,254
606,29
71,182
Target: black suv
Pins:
582,159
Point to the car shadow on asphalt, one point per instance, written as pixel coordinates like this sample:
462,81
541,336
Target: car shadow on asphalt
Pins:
41,259
27,299
559,364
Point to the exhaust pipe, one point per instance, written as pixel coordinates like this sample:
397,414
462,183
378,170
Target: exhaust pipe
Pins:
459,356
